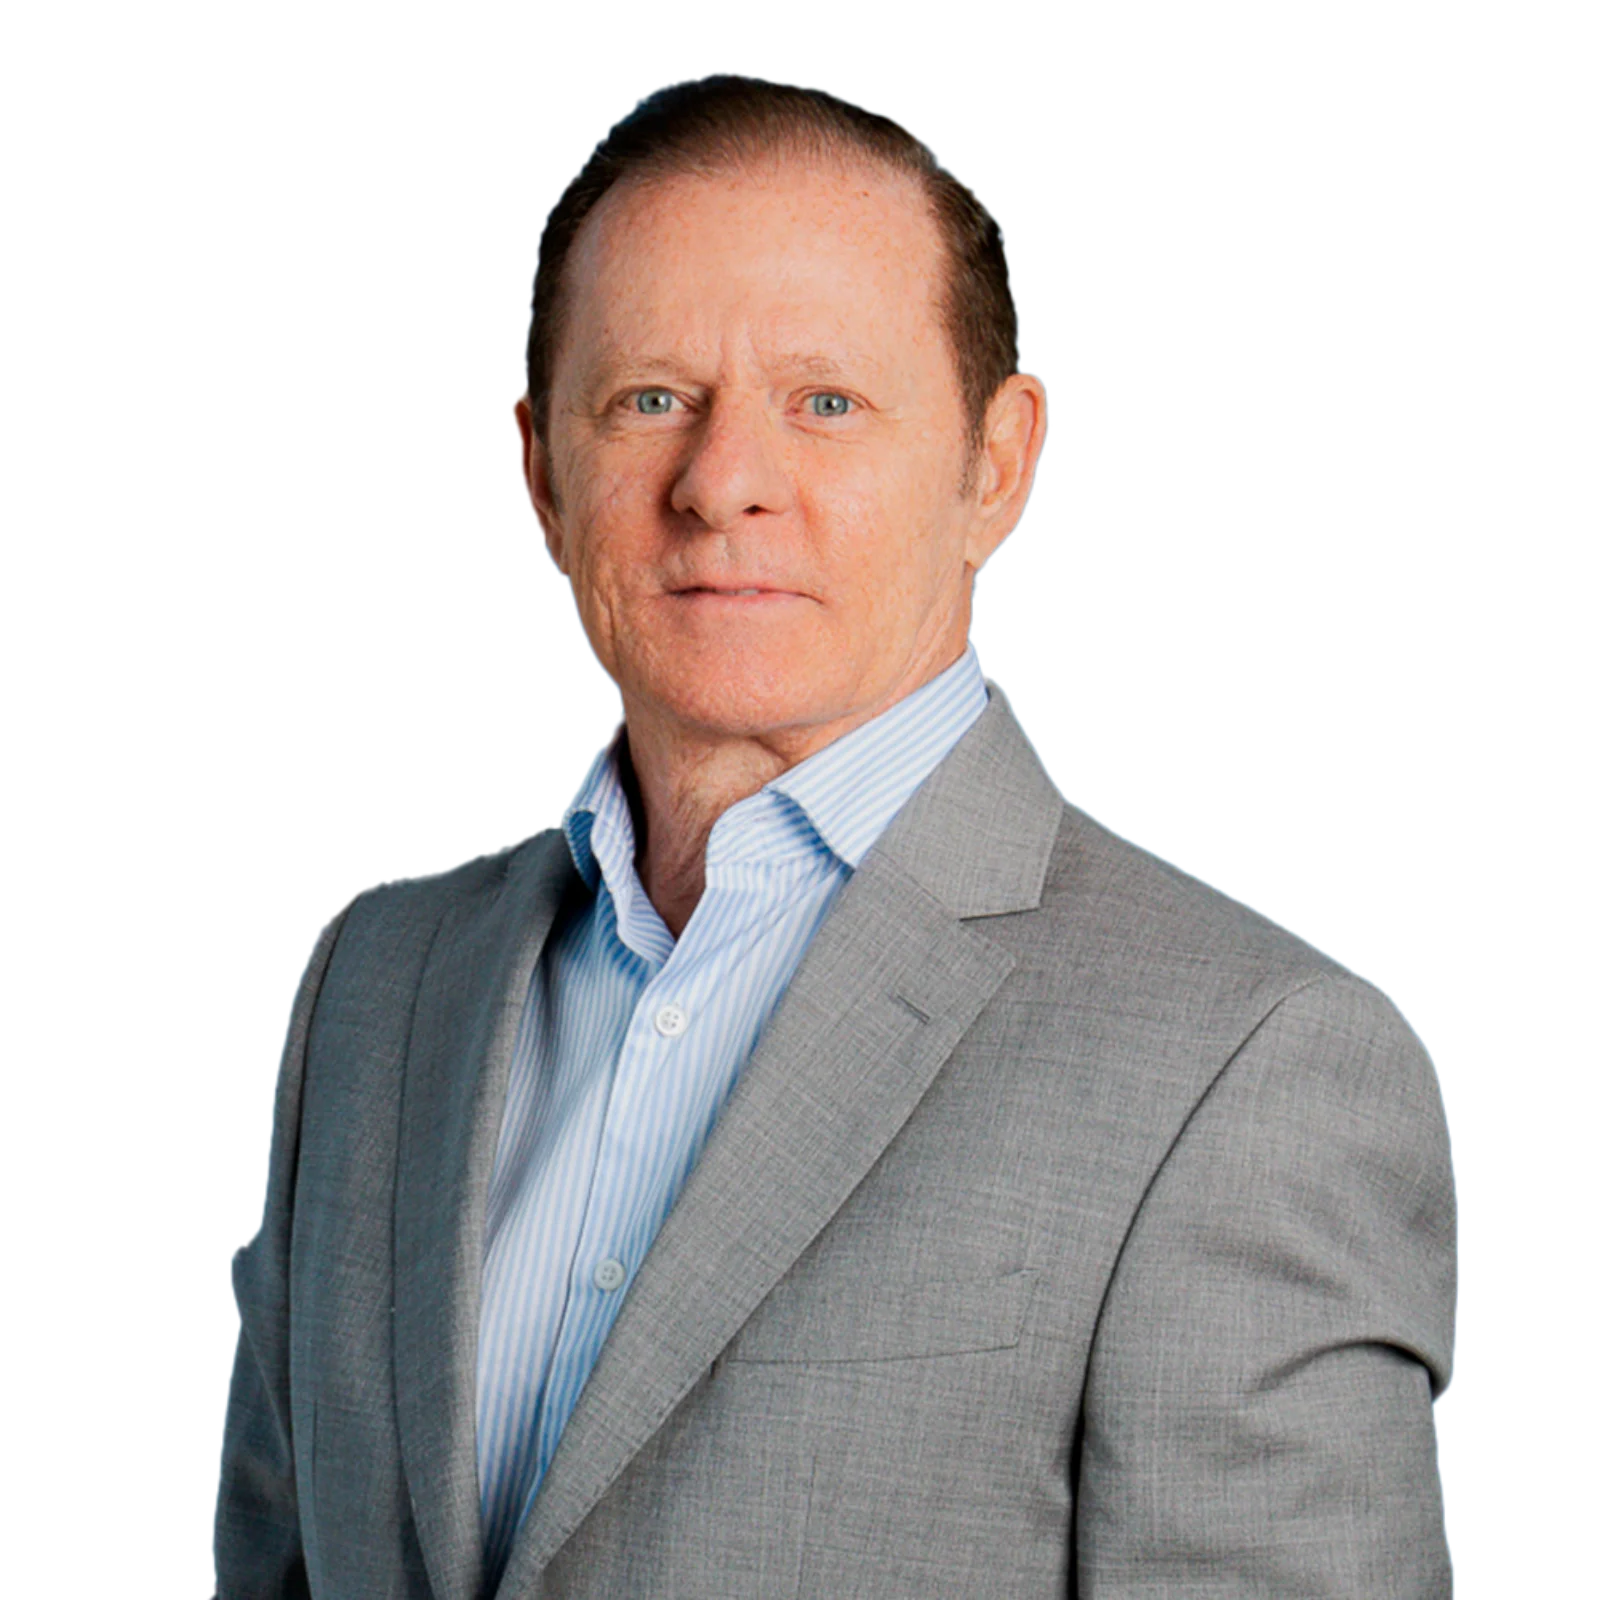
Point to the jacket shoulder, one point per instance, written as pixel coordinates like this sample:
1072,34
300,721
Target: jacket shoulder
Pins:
435,895
383,936
1133,938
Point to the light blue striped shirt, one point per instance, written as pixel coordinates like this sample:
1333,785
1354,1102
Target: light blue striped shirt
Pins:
629,1044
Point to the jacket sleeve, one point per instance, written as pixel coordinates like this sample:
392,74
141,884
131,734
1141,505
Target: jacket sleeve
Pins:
257,1541
1258,1420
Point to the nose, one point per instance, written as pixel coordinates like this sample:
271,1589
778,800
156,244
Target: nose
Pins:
734,468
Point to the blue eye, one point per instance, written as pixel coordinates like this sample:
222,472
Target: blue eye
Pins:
656,402
844,400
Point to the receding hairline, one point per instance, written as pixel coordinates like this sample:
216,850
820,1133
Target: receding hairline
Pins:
750,158
757,167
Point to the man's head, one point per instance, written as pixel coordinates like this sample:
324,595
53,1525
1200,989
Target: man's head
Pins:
773,425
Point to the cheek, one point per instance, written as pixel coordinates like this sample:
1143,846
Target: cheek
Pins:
611,533
889,536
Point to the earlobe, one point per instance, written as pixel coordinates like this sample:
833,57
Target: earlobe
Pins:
544,504
555,542
543,512
983,554
536,488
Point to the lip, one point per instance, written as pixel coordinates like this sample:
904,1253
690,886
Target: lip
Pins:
748,594
730,586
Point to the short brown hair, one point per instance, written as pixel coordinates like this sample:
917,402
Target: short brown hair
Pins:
715,121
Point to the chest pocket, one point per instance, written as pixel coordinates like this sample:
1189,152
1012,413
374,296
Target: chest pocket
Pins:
886,1321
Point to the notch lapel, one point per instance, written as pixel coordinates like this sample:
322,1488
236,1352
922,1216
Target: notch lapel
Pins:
468,1008
892,981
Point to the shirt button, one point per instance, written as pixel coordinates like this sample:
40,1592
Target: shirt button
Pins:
610,1274
671,1021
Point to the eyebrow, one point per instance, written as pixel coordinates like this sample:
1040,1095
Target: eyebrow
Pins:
610,365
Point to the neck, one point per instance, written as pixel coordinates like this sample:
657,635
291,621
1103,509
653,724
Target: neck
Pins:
676,791
680,779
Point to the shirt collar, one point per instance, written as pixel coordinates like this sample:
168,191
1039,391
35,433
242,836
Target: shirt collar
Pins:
848,792
851,789
599,808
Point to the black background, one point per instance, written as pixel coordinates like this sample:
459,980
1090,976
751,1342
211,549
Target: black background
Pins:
1223,621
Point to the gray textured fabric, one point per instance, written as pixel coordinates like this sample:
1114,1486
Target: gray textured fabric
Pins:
1073,1231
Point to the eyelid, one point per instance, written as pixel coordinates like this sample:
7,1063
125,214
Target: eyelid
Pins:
668,389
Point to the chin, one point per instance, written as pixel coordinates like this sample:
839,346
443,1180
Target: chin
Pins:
746,698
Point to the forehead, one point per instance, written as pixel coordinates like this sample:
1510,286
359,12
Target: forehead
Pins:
785,253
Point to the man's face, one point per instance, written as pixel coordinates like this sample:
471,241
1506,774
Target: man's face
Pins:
756,477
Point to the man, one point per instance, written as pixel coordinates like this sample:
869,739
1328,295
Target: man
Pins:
830,1165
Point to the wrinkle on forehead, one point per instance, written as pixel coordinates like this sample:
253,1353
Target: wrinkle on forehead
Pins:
607,354
608,360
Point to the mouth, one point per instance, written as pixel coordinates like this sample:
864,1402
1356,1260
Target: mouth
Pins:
732,609
729,591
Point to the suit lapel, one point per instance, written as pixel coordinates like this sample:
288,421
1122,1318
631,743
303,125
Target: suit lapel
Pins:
468,1008
891,982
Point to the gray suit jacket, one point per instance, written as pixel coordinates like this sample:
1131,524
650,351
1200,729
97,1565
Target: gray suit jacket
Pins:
1072,1231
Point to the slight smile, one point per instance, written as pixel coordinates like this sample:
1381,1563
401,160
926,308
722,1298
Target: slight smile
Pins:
706,591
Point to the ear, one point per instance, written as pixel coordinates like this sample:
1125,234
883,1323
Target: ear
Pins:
1013,435
536,472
